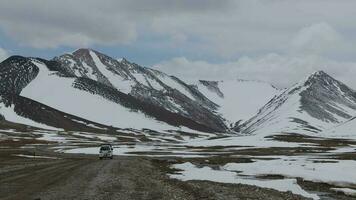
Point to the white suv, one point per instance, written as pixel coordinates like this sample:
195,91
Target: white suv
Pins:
106,151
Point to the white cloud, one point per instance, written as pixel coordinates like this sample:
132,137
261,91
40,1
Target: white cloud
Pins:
75,23
318,39
257,27
3,54
49,24
312,48
282,71
224,28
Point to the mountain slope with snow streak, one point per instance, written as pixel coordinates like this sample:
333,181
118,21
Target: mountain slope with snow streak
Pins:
101,91
318,103
238,100
59,93
8,113
145,84
64,88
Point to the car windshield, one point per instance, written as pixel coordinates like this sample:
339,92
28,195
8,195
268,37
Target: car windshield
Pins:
105,148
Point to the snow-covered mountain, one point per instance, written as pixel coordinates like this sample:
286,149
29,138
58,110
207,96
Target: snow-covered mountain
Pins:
144,84
315,104
87,90
93,86
238,100
59,93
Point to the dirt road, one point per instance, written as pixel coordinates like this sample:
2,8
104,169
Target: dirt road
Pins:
87,177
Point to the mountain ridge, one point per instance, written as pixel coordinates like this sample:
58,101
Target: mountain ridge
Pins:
310,106
60,71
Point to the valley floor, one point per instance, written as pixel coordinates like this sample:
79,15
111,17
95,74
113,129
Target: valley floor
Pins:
38,164
61,176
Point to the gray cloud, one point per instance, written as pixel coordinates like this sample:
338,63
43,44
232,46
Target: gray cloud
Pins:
320,39
49,24
311,48
258,39
3,54
258,27
225,28
280,70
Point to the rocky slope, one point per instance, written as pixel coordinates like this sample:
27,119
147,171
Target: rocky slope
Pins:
95,87
89,90
318,103
144,84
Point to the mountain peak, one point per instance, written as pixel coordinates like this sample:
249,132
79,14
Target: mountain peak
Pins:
82,53
123,60
86,51
319,77
319,73
314,104
81,50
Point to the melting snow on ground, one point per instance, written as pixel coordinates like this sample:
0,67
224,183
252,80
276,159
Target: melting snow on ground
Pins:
50,136
139,150
248,141
347,191
191,172
336,172
35,156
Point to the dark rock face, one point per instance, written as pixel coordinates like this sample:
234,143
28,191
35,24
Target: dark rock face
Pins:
15,73
44,114
80,64
325,98
212,86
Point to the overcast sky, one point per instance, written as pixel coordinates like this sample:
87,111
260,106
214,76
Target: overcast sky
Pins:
279,41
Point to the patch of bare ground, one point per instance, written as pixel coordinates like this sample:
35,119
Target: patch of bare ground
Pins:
322,142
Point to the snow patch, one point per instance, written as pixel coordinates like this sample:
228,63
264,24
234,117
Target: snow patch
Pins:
191,172
337,172
35,156
346,191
